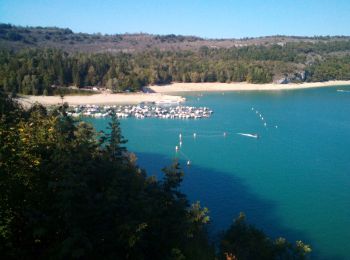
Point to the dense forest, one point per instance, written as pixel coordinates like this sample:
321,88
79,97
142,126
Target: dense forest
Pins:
34,71
38,69
69,192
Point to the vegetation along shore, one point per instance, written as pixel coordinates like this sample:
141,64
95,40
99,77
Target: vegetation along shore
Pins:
37,60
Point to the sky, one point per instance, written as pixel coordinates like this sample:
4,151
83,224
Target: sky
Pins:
204,18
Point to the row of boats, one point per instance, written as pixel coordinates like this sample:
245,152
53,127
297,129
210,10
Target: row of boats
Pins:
145,110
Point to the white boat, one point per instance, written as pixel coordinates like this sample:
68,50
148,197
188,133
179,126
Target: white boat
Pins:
249,135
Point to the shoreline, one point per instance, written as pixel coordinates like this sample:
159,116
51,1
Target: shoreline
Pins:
100,99
167,93
241,86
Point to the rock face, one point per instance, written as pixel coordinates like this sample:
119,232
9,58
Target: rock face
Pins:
299,76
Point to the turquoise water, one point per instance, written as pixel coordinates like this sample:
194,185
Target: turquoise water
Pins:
294,181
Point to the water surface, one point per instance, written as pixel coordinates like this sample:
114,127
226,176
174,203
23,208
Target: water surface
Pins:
294,181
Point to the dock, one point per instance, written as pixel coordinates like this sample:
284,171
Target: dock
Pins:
141,111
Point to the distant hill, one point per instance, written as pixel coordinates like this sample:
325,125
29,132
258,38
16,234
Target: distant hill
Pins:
18,37
37,60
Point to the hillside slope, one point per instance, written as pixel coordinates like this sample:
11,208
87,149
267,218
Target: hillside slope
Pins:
35,59
17,37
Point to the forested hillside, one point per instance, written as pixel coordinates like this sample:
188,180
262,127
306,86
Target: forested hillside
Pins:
33,60
18,37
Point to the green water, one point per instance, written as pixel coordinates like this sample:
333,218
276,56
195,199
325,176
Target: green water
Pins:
293,181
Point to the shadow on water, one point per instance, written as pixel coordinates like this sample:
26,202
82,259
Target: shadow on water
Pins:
226,195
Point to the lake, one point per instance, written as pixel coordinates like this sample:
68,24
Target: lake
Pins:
293,181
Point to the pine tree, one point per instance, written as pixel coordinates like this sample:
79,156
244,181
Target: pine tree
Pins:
115,139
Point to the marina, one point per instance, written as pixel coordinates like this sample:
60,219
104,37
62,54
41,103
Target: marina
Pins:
141,111
239,172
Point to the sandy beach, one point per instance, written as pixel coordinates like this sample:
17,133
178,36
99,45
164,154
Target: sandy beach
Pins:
240,86
100,99
166,92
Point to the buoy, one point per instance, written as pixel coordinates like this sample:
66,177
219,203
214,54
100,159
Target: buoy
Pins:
265,124
276,126
188,163
262,118
180,143
194,135
176,148
252,108
180,136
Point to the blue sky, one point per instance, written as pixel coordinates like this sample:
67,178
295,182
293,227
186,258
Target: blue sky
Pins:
205,18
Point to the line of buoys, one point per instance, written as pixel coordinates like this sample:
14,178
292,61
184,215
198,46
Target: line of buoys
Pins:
177,149
261,117
188,163
213,133
209,136
184,155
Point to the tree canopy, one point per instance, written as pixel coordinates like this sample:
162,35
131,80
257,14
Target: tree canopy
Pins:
68,191
40,71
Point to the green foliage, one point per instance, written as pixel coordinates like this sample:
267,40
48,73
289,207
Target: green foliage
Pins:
32,59
115,148
35,71
244,241
332,68
68,192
